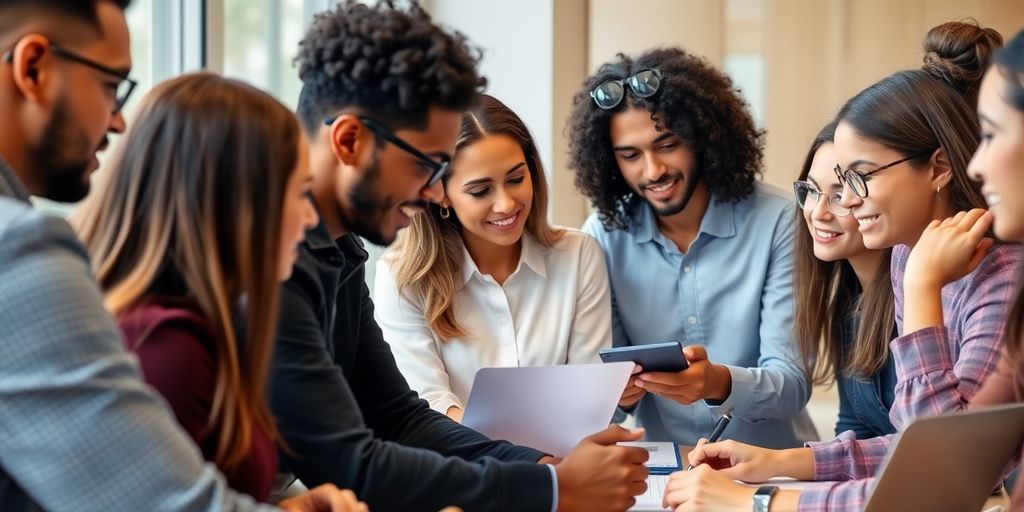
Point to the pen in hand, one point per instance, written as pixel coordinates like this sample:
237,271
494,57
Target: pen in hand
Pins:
716,433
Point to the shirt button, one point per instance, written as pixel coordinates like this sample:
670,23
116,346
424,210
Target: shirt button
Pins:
686,269
692,319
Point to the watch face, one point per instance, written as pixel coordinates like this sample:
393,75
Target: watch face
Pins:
763,497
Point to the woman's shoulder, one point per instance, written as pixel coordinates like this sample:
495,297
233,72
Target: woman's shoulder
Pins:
165,322
575,246
1003,262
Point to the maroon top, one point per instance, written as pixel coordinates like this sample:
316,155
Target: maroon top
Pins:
175,349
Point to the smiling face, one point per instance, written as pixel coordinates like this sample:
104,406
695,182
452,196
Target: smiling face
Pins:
901,200
491,191
835,237
376,202
655,163
999,160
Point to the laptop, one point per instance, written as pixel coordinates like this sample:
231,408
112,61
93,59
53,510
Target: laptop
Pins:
550,408
948,462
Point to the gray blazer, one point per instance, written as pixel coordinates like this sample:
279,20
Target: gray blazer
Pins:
79,430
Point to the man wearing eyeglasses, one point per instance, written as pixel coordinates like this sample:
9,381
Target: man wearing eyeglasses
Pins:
698,250
79,430
382,100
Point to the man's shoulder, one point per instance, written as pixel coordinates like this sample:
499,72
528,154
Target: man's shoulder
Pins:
595,227
24,230
768,199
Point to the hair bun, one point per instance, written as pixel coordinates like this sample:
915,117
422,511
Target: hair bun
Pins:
958,53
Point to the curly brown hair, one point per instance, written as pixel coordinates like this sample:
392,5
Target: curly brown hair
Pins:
694,101
391,63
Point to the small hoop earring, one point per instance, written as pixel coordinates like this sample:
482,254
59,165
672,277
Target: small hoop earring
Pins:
445,212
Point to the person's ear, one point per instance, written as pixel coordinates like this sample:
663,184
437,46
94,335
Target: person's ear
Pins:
942,169
28,61
349,140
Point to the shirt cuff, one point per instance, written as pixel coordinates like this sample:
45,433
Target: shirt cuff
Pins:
741,394
921,352
554,488
441,402
815,497
827,457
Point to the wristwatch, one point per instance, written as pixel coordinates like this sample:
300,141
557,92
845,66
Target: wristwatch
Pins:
763,497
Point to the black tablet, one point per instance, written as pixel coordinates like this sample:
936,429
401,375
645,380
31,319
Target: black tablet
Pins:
658,357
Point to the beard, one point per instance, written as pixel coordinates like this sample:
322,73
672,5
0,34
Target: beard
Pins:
369,208
65,177
673,208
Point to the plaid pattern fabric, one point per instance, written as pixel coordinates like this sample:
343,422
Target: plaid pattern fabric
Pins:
940,369
78,428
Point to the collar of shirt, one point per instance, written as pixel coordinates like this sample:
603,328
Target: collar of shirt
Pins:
532,257
718,221
347,252
10,185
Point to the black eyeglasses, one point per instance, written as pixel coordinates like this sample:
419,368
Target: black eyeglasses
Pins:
808,196
610,93
437,169
124,87
858,179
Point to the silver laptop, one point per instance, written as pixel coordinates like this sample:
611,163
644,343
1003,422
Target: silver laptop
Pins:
948,462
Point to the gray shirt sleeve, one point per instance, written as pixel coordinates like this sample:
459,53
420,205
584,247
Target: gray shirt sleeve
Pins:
79,430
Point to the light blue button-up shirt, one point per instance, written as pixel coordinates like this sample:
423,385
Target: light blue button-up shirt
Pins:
731,292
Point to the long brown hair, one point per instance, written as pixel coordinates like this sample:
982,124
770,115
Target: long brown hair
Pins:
190,206
1009,61
827,293
429,253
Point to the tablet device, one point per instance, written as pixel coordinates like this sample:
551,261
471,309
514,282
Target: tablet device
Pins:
658,357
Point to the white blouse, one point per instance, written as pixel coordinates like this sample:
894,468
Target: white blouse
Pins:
554,309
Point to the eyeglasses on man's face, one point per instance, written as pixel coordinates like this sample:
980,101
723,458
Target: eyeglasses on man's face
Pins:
857,179
120,92
808,196
437,169
644,83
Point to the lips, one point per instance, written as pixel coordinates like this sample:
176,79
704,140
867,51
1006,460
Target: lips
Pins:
825,234
506,223
662,190
867,221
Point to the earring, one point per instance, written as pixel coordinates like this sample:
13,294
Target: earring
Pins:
445,212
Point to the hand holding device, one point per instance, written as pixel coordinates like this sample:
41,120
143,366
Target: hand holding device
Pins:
702,380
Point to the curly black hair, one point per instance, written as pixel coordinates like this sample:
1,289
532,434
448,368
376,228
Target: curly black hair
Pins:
695,101
388,62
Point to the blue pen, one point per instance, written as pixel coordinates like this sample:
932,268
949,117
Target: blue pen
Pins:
717,432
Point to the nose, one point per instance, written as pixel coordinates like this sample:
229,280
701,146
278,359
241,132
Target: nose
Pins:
503,202
117,123
654,169
974,167
849,199
310,217
433,193
821,209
